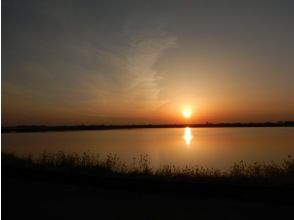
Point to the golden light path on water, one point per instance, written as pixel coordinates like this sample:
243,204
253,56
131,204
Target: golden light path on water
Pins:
188,136
213,147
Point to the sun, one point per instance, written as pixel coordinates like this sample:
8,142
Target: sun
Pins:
187,112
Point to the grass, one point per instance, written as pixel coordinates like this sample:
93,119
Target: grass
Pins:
261,181
90,164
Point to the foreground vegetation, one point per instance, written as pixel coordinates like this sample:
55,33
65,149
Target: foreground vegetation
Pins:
88,164
258,181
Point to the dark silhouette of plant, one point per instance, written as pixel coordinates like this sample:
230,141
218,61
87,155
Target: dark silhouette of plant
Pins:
92,165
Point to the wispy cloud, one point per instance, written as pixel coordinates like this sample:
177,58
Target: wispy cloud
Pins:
126,78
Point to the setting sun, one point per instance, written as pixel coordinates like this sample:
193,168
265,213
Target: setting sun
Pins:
186,112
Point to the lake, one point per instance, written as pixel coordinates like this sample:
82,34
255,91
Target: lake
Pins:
208,147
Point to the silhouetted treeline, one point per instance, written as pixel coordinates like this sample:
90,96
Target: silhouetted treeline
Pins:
43,128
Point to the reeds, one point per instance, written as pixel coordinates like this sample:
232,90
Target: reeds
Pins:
90,164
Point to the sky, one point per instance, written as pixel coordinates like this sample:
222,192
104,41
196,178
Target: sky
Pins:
133,62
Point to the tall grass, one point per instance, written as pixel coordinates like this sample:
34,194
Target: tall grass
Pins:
91,164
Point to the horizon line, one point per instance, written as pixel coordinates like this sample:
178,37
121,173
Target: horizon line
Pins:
43,128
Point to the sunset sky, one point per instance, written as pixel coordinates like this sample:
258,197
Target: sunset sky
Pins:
125,62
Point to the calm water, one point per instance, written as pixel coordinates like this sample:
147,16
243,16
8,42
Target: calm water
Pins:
209,147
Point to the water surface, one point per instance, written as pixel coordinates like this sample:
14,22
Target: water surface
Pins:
209,147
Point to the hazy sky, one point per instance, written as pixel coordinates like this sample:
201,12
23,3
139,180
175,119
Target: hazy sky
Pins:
115,62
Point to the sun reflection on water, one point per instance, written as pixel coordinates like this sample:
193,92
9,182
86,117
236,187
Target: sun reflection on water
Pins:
188,136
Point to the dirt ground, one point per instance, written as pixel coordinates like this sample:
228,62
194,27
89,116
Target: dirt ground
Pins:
27,199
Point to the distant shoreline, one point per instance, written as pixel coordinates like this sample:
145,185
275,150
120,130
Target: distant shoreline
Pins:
45,128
